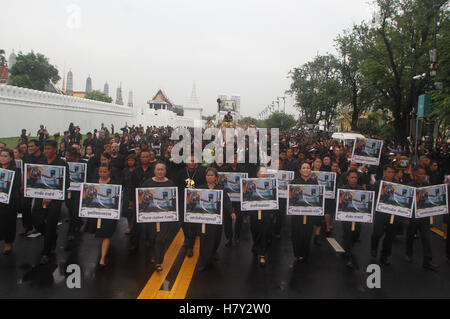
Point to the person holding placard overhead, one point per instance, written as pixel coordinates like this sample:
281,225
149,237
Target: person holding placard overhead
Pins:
46,211
302,226
103,228
351,230
8,212
210,239
420,224
384,223
160,238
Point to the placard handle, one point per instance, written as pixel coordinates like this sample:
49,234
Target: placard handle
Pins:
158,227
392,219
259,215
203,229
353,226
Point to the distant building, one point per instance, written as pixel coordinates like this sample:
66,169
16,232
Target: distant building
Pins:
79,94
106,89
130,99
160,102
12,60
88,84
119,100
69,86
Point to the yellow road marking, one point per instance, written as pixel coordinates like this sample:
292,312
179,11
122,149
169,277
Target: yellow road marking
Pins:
151,289
184,278
437,231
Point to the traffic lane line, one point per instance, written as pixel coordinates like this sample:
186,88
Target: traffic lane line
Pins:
184,278
334,243
438,232
153,285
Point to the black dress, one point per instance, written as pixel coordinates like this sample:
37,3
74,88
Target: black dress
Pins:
160,241
210,240
350,236
128,193
302,233
186,178
107,226
8,212
227,220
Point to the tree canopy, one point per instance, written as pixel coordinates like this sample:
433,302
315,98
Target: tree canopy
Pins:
98,96
375,66
33,71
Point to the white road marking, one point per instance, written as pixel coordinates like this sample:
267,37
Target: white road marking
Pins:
333,242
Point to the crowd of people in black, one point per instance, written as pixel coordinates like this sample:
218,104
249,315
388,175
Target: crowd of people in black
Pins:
142,157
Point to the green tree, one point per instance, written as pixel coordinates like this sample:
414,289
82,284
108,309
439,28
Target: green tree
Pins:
303,88
355,91
98,96
441,98
317,90
248,120
33,71
278,120
396,46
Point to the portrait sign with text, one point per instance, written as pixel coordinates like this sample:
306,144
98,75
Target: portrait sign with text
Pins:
395,199
284,179
259,194
327,179
203,206
306,200
157,204
100,201
367,151
431,201
231,182
77,175
227,106
45,181
355,206
6,183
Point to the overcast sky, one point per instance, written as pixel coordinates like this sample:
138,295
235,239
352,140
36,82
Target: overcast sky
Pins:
244,47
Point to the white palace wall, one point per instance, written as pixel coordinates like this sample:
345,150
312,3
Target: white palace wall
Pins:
22,108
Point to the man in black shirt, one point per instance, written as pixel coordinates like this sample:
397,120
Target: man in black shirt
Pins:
76,136
290,163
34,156
190,176
46,211
382,224
43,134
73,201
24,136
420,224
143,172
351,236
117,159
89,141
